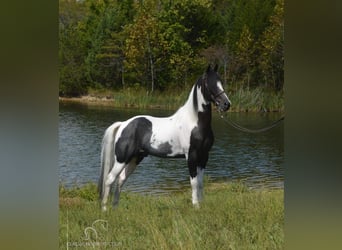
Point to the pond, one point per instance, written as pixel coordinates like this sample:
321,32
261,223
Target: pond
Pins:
255,159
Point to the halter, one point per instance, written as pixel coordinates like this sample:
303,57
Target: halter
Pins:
217,95
213,97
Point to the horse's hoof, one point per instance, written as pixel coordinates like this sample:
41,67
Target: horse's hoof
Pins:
104,208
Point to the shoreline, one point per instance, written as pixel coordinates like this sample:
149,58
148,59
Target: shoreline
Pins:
110,102
87,99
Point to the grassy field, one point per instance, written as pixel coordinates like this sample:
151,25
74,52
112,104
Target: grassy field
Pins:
245,100
231,217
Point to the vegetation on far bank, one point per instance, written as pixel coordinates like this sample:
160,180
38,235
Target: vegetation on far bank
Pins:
231,217
243,100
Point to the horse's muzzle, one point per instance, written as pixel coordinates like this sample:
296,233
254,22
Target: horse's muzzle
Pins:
221,101
225,106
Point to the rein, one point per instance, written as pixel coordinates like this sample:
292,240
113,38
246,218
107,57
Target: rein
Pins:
231,123
247,130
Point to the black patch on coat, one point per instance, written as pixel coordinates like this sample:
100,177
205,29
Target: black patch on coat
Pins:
201,141
194,99
135,142
132,140
163,150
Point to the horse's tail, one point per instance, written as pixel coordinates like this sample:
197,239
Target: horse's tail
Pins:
107,155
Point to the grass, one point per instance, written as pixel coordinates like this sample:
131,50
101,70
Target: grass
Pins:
243,99
142,99
231,217
256,100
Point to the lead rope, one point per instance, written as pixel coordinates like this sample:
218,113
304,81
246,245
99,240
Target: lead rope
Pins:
247,130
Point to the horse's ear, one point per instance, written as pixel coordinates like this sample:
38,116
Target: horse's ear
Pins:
216,68
209,68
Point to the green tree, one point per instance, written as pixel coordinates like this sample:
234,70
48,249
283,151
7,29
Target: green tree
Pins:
72,49
107,64
156,52
166,44
272,48
245,51
141,48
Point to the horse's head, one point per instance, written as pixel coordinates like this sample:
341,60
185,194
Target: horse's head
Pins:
213,91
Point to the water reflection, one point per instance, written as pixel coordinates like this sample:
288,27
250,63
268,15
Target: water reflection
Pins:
257,159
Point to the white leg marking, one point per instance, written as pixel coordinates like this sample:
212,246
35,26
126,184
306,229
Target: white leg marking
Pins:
194,187
197,187
105,197
111,177
125,173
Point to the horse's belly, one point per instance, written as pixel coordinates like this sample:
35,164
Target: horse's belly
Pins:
167,147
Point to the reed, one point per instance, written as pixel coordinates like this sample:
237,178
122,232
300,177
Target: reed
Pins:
243,99
257,100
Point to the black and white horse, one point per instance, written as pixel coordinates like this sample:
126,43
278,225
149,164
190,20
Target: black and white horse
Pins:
186,134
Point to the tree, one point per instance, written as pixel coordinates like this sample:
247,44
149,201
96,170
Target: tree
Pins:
155,48
218,54
141,47
272,48
72,49
108,68
165,44
245,52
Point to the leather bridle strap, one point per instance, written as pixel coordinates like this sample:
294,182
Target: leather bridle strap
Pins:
217,95
211,94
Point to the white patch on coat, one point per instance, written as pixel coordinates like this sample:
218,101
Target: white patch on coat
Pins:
175,129
219,85
201,100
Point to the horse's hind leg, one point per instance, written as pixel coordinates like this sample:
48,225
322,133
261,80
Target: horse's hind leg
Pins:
125,173
110,179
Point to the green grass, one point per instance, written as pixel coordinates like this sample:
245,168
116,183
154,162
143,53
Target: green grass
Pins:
231,217
258,99
243,99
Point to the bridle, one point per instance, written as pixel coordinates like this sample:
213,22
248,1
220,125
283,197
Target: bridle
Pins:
212,96
217,95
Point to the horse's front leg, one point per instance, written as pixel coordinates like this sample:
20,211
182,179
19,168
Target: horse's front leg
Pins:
196,179
197,186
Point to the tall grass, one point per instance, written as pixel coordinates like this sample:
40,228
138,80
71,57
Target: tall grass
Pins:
243,99
231,217
257,99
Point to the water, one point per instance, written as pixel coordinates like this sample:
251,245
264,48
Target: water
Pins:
255,159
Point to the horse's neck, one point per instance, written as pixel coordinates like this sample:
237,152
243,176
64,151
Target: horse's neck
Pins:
196,108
